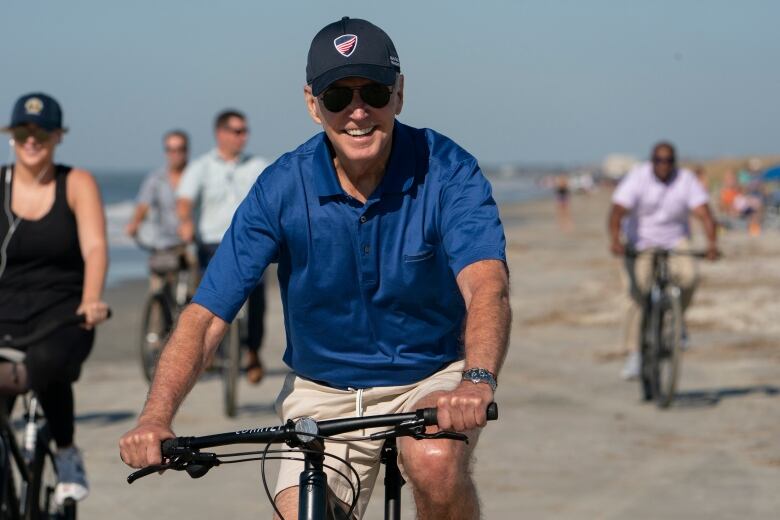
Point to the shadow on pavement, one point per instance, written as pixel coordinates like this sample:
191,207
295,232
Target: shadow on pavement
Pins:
701,398
256,408
105,418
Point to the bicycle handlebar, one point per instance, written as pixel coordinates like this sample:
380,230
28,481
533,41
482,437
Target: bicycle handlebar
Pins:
297,432
633,253
44,331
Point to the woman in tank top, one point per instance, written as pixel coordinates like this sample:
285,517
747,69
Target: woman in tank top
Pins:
53,262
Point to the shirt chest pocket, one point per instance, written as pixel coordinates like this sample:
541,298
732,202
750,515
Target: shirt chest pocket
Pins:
419,267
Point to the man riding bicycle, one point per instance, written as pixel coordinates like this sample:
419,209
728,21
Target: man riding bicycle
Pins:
156,206
212,187
658,199
392,273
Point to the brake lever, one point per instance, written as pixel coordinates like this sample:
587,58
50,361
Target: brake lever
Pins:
196,465
148,470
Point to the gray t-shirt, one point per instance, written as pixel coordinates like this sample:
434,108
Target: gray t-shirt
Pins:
217,187
161,223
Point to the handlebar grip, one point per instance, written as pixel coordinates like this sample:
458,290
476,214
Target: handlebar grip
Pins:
430,414
169,445
492,411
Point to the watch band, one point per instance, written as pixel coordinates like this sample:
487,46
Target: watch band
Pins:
480,375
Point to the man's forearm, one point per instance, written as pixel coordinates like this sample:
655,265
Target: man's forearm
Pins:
488,322
184,357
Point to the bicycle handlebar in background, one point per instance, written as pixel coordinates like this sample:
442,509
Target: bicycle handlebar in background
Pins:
633,253
44,331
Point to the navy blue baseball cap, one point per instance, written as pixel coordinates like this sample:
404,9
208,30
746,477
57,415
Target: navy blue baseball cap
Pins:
38,109
351,47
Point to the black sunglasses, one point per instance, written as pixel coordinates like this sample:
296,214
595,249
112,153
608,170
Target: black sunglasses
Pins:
663,160
235,131
22,133
337,99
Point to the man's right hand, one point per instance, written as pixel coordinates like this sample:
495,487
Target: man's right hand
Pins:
140,447
187,231
617,248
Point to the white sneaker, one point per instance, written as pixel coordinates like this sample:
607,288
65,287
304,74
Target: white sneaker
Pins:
72,477
631,367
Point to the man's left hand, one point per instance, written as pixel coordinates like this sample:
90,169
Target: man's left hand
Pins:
465,407
713,253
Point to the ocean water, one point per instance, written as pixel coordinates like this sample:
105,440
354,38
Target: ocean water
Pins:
128,262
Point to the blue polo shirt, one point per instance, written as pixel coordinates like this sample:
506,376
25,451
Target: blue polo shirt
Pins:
368,290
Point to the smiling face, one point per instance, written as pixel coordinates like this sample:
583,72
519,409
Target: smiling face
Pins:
360,133
34,148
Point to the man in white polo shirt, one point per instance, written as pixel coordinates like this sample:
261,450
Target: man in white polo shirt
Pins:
658,199
213,186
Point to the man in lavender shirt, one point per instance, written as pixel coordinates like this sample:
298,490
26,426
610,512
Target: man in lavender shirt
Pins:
658,198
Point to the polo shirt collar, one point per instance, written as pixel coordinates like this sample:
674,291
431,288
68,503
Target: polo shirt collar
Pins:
400,172
242,157
325,179
399,175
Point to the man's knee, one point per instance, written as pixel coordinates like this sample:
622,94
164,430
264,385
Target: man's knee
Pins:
444,462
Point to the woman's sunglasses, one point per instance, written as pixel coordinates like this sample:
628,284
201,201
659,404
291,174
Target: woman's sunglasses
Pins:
337,99
22,133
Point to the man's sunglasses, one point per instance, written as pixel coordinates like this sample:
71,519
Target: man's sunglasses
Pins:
236,131
337,99
663,160
22,133
176,149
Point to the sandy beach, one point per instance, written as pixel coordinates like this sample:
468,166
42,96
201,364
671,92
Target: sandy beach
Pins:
573,440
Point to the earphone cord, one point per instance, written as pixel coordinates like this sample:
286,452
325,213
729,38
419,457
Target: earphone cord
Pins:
13,223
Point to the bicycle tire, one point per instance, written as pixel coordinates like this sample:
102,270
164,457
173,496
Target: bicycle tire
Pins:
231,368
668,348
157,325
9,502
43,479
645,369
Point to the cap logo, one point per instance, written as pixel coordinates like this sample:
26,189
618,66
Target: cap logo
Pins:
33,106
346,44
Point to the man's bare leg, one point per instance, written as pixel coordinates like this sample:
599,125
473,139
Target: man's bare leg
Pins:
439,474
287,503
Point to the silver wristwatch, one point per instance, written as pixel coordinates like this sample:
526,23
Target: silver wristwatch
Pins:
480,375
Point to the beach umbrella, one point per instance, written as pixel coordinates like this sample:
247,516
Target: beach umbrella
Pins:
772,174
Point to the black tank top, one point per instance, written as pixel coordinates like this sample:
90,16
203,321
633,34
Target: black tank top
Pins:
44,264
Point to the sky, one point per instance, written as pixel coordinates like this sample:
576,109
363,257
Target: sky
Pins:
550,82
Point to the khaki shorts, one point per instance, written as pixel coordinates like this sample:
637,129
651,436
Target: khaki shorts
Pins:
300,398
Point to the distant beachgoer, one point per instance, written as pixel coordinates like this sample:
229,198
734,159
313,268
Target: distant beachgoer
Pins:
738,203
562,195
53,261
657,199
214,185
156,209
728,192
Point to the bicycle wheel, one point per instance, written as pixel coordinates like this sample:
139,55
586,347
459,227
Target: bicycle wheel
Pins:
157,325
43,479
9,502
646,368
668,348
231,367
